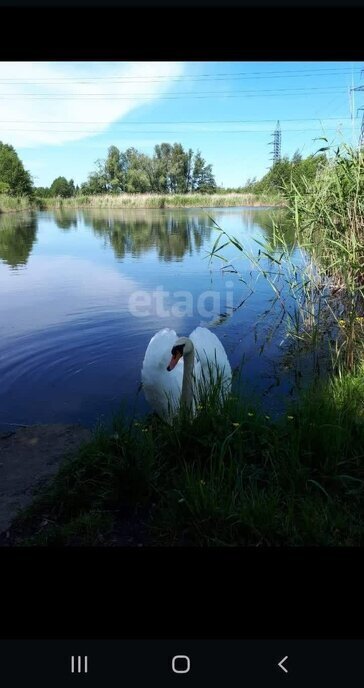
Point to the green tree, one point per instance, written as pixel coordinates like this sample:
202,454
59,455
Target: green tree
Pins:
15,179
283,173
162,164
97,181
170,170
61,187
172,167
42,191
72,187
138,171
203,180
178,170
137,181
114,172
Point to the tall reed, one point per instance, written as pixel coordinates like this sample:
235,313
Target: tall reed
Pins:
329,221
14,203
320,267
161,201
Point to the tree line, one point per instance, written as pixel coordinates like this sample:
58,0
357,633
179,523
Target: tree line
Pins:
284,172
171,169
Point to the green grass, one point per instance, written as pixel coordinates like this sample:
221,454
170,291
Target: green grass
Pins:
160,201
10,204
232,476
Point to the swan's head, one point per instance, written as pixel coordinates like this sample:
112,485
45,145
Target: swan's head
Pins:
182,347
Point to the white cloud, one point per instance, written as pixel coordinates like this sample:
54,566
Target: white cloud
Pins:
33,94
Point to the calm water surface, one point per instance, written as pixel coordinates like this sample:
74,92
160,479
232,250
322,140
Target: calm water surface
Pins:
74,326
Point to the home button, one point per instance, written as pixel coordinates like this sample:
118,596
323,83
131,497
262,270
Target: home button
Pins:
181,664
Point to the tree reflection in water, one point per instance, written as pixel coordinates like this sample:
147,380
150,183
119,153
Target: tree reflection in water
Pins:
18,232
172,234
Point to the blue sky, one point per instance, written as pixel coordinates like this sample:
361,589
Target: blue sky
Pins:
62,117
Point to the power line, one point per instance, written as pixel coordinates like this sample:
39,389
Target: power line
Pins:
276,74
135,97
117,80
306,89
199,131
211,121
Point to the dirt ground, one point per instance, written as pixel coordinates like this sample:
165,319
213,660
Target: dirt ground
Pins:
28,458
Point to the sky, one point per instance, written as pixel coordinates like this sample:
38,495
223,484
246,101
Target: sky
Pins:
61,117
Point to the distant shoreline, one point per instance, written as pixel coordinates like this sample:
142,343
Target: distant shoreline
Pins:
10,204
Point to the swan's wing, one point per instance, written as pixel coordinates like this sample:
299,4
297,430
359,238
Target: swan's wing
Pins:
162,388
211,356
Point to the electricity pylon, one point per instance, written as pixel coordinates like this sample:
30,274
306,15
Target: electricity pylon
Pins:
276,143
361,137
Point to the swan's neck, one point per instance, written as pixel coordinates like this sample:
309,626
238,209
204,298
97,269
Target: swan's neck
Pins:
187,391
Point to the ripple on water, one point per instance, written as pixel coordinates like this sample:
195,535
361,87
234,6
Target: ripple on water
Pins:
57,353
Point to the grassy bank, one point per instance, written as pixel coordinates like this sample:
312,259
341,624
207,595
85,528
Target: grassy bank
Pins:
160,201
232,476
11,204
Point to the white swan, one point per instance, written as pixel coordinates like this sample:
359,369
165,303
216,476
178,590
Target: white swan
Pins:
199,359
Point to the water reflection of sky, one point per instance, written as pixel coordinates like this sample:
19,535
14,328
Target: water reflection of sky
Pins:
71,351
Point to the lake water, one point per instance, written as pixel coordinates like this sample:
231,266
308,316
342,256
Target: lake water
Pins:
82,293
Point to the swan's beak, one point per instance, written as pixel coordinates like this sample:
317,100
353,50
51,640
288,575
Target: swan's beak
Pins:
174,360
